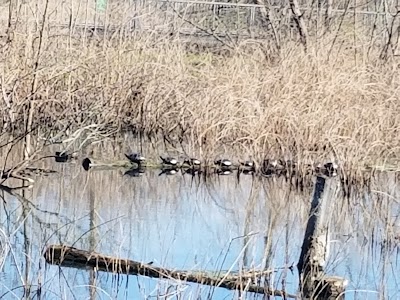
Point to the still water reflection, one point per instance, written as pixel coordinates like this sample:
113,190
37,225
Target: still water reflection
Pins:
181,222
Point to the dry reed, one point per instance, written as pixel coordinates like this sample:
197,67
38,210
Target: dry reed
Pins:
337,102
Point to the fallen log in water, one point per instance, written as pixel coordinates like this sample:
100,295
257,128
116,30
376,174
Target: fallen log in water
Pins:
265,169
76,258
327,169
88,163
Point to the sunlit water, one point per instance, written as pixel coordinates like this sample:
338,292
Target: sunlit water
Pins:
185,223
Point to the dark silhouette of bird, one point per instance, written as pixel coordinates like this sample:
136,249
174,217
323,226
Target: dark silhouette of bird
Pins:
136,158
169,161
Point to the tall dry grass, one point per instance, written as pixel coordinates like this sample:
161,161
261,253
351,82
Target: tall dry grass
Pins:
337,101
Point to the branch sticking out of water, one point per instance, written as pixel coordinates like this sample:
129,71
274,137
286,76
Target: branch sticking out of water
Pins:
76,258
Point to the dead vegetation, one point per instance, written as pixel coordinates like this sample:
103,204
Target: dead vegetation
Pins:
337,101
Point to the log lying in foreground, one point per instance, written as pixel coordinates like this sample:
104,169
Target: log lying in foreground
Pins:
314,283
72,257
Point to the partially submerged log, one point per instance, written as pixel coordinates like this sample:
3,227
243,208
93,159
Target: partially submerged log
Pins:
76,258
265,169
88,163
314,283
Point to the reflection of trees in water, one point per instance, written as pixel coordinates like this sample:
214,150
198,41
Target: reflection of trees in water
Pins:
27,220
267,207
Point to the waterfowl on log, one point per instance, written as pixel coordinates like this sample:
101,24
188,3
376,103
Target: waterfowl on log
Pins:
136,158
247,164
223,162
192,162
86,164
272,167
64,156
330,169
270,164
169,161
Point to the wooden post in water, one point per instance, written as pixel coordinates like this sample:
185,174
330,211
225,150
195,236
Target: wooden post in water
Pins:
314,283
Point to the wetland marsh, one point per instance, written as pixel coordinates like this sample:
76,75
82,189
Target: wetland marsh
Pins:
331,94
187,223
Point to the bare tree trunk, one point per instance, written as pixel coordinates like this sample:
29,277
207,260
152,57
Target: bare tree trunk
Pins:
298,18
268,19
328,15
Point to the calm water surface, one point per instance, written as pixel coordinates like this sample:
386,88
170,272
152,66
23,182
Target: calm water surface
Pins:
181,222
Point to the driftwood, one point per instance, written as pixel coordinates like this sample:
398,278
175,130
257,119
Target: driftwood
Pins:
72,257
314,283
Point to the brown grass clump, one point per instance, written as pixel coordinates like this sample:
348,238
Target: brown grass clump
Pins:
341,104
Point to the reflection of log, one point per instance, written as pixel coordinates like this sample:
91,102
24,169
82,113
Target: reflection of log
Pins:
314,284
76,258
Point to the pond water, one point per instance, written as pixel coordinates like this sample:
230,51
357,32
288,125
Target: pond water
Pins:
187,223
